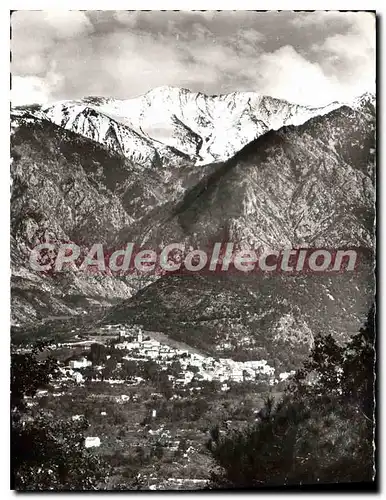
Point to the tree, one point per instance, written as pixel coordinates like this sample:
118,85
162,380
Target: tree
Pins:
89,373
116,354
129,369
47,453
109,368
165,386
319,432
97,354
358,366
28,374
174,369
157,450
323,368
151,371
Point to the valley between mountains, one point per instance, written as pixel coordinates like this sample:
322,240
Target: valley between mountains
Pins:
177,166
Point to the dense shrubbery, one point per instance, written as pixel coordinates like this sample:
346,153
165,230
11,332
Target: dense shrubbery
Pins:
320,432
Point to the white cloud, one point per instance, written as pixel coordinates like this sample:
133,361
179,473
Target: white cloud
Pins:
60,23
28,90
351,55
311,58
36,35
326,18
287,75
127,18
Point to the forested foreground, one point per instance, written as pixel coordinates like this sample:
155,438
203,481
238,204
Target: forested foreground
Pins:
320,431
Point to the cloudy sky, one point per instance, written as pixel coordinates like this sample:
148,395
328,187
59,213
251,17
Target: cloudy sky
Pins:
308,58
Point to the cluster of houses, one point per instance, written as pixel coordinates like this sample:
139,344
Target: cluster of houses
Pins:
141,346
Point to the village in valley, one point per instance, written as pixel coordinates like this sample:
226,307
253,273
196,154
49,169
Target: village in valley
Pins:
150,400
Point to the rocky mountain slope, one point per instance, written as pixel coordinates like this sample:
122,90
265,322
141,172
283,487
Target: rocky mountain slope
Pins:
310,185
174,166
256,316
305,186
69,188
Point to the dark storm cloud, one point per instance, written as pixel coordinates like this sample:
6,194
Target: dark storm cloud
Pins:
303,57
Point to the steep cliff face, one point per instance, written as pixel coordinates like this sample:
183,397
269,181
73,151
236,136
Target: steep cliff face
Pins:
56,197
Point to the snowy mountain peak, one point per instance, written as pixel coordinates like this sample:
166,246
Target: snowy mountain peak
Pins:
363,100
177,121
168,89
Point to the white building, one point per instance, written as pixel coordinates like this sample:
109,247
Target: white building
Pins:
285,375
237,375
92,442
79,363
78,377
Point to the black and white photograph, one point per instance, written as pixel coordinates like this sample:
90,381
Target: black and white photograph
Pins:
193,250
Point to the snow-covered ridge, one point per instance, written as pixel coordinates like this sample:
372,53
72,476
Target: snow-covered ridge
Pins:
367,97
91,122
171,120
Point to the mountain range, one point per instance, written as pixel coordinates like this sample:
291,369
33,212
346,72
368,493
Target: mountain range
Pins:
178,166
